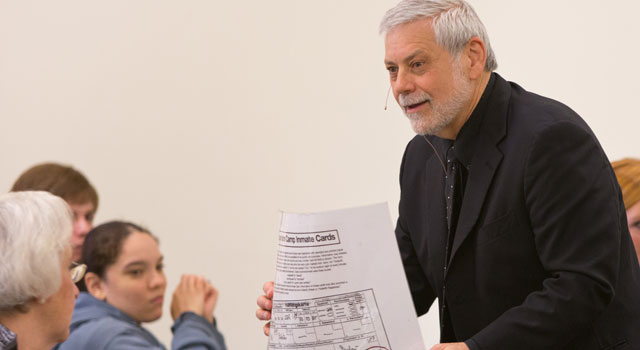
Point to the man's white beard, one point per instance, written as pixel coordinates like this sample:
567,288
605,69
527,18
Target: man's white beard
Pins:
439,114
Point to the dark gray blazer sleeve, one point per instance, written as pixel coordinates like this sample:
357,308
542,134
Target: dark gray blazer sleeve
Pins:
421,291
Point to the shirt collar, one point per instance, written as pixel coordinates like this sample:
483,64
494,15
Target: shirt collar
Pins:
465,143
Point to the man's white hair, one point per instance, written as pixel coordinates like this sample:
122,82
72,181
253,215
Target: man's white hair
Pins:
454,23
35,230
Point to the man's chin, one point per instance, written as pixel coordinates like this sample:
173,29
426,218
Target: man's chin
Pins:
422,128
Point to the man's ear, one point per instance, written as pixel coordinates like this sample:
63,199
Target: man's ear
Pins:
94,286
476,52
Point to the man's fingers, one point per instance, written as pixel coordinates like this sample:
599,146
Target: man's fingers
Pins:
264,303
268,289
263,315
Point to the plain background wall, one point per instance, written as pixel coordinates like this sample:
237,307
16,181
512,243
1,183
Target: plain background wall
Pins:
203,119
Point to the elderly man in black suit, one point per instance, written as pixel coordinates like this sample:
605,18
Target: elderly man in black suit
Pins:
510,213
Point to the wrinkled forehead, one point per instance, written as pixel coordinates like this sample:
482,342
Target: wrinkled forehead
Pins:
406,38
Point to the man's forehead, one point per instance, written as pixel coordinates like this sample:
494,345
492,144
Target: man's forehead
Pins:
420,27
84,206
410,39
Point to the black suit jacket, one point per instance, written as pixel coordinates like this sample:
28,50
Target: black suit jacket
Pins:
542,257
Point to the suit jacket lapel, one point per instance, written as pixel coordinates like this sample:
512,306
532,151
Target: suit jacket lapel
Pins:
485,162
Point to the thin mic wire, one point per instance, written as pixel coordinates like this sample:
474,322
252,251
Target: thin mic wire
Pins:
444,168
387,99
437,155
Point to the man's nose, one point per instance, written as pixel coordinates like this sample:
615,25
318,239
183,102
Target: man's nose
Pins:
82,226
403,84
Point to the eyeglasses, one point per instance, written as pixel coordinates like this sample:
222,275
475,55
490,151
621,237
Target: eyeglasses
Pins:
77,271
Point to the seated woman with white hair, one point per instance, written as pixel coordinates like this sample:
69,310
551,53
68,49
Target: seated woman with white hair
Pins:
37,276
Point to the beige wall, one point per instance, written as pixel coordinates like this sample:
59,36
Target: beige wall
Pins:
203,119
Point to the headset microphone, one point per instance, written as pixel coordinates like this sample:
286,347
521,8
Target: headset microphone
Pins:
387,99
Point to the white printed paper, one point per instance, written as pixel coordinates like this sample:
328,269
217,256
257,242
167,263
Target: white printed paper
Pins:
340,284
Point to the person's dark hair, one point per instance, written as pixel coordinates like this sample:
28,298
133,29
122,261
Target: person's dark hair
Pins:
104,243
60,180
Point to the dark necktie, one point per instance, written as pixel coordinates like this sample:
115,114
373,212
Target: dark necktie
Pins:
453,197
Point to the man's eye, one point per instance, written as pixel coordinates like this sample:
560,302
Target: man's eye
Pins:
417,64
392,70
636,225
160,267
